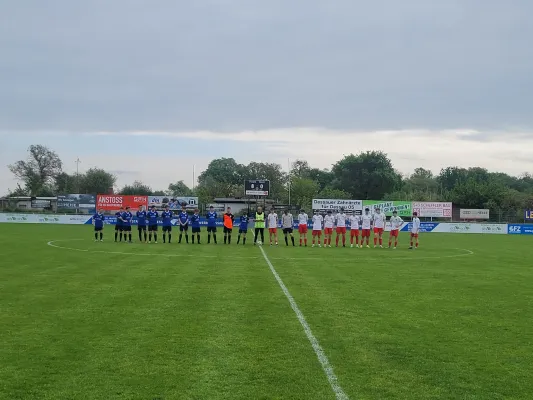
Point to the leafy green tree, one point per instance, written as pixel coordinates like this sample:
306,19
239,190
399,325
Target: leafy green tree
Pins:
179,188
38,171
136,188
96,181
367,175
225,170
330,193
303,191
274,173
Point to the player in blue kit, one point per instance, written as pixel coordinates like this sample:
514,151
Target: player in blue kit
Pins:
152,216
211,224
166,216
118,224
141,224
98,221
243,227
195,225
183,219
126,224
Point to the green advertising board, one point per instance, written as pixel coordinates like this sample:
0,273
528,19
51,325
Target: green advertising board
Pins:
404,208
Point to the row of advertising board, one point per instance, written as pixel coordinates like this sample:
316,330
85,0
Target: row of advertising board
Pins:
404,208
430,227
112,202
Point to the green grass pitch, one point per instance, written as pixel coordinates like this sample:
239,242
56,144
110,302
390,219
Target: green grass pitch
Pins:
85,320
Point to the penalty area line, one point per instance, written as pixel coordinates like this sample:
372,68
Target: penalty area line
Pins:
322,358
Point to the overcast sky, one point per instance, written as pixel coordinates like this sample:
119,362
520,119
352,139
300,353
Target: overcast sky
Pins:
148,89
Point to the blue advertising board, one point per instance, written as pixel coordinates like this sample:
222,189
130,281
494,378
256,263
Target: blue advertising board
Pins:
424,226
520,229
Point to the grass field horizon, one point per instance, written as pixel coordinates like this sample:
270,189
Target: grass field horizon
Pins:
86,320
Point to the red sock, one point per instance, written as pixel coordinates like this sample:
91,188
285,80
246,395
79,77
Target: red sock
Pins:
411,244
337,240
380,240
396,244
351,239
390,243
375,240
416,244
357,240
343,240
305,240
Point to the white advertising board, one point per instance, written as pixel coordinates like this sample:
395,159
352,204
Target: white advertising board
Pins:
468,213
432,209
337,204
471,228
44,219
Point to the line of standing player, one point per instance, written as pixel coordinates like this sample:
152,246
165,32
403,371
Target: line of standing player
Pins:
360,227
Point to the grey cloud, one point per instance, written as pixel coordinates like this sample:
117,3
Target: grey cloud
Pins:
251,64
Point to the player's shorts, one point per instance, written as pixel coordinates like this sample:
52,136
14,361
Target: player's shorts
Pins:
228,230
354,232
195,229
152,228
341,230
302,228
184,228
141,227
365,232
317,232
414,235
245,231
118,227
328,231
98,229
287,230
167,228
272,230
394,232
211,229
378,231
126,228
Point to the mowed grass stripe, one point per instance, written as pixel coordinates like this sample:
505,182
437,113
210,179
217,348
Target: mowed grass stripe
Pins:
447,329
119,326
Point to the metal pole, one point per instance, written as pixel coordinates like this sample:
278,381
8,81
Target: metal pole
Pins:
289,167
193,167
78,174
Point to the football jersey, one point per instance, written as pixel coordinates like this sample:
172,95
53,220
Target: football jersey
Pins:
141,218
396,223
329,221
379,220
416,225
126,218
273,220
354,221
195,220
118,215
211,219
341,220
152,217
366,221
243,222
183,217
302,219
98,219
317,222
287,221
166,216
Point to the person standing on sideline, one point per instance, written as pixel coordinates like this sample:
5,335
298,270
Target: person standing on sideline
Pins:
166,216
355,220
243,227
153,216
287,223
259,222
127,216
303,219
98,221
228,225
340,222
183,218
395,225
379,227
414,231
211,224
317,228
118,224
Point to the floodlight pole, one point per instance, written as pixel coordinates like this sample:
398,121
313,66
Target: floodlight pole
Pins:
78,174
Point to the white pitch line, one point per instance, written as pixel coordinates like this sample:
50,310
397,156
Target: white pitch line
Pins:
322,358
52,244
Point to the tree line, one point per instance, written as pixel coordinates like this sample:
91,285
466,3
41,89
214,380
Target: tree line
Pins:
365,176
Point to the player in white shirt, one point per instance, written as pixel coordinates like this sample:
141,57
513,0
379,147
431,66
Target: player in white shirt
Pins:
379,227
355,220
415,230
395,225
303,218
329,223
366,226
340,220
273,226
317,228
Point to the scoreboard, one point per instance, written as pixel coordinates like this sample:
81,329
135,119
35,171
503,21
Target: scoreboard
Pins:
257,187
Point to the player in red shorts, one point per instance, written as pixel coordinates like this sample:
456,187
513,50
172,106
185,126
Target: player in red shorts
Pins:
273,226
303,218
329,223
379,227
366,227
414,231
355,220
395,225
340,222
317,228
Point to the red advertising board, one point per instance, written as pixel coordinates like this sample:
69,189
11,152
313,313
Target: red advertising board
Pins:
112,202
